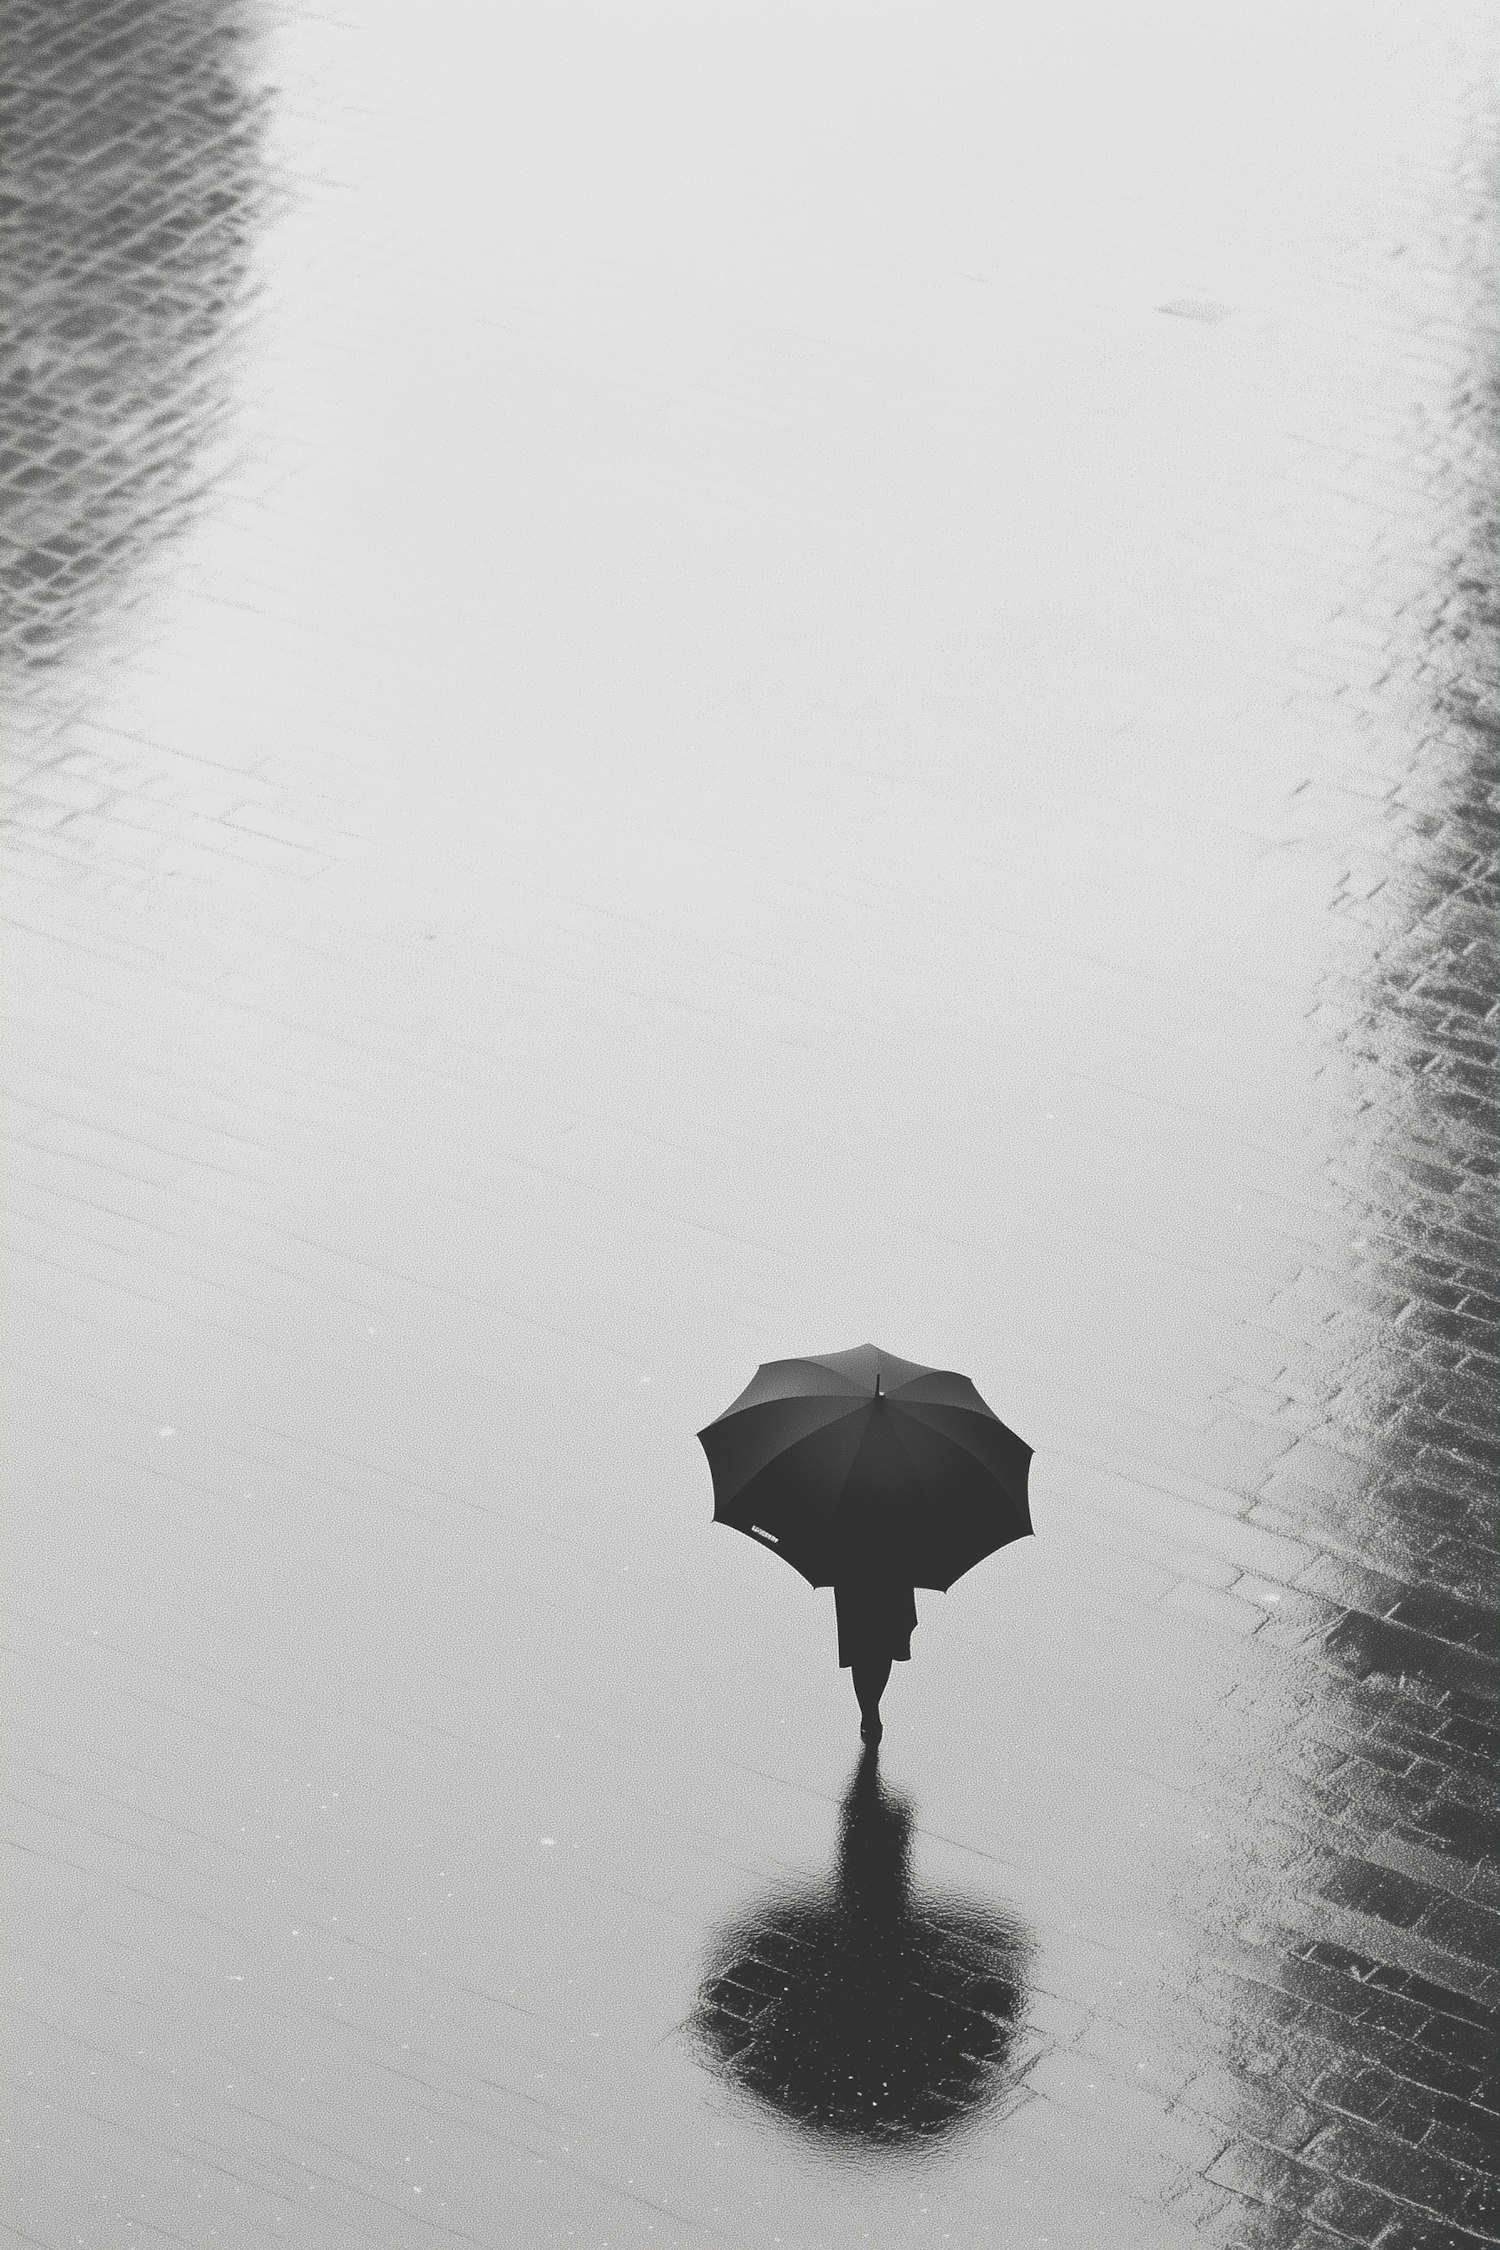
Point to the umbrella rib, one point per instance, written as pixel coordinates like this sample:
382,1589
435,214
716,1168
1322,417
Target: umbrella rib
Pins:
821,1398
927,1411
919,1406
729,1482
838,1498
906,1450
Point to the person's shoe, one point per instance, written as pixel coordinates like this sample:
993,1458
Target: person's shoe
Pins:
870,1730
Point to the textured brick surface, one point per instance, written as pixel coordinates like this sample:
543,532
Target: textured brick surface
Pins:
135,180
674,694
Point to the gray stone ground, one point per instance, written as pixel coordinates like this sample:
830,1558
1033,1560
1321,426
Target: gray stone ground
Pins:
685,687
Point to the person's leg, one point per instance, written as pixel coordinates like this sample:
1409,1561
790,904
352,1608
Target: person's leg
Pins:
869,1686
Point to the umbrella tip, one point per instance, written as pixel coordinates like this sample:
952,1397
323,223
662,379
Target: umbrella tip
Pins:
877,1382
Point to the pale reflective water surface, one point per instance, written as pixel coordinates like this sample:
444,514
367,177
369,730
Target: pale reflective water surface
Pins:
700,688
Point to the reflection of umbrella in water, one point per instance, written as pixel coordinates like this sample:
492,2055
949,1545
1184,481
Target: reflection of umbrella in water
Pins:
864,2010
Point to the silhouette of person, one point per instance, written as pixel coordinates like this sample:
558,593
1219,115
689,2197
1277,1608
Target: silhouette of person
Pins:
877,1615
862,2008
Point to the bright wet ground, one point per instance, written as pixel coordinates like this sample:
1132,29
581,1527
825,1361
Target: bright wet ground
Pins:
687,688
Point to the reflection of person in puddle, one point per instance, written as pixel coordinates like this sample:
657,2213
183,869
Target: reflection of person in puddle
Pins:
863,2008
877,1616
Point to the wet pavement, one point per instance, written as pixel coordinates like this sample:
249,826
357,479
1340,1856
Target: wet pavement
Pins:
678,693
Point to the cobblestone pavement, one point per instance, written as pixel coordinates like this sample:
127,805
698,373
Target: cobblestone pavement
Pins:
681,690
136,180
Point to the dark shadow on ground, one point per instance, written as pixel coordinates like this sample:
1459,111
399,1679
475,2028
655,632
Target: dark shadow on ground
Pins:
862,2009
134,158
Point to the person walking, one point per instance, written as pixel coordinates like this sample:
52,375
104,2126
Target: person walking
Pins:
877,1615
873,1475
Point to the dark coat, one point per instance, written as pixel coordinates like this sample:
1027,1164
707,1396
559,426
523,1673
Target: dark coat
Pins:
877,1617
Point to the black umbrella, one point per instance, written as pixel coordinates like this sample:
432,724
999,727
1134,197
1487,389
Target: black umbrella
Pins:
850,1461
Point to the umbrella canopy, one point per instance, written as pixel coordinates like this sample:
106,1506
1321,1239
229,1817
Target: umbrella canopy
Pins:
851,1462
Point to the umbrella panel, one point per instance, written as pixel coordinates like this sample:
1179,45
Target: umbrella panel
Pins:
882,1521
749,1439
795,1495
866,1365
968,1510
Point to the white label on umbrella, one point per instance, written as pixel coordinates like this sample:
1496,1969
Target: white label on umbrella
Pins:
775,1542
